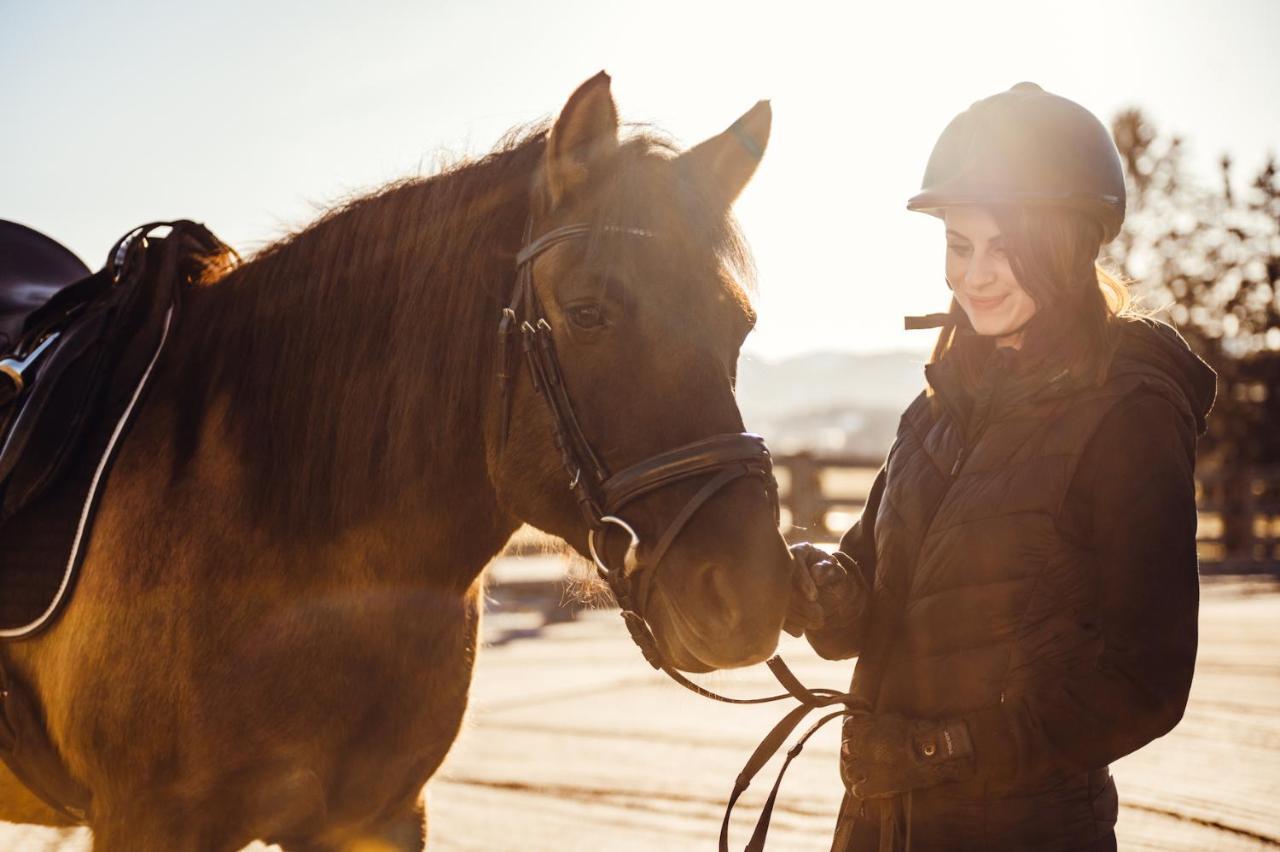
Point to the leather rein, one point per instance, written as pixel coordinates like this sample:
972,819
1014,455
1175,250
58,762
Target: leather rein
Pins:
602,496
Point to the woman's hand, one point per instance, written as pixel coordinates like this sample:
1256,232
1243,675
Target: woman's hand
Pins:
818,588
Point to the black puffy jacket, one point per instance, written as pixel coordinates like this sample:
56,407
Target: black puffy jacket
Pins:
1032,554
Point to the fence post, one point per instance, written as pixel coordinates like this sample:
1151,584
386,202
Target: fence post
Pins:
1236,504
808,508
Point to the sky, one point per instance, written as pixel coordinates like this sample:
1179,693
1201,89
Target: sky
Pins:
254,116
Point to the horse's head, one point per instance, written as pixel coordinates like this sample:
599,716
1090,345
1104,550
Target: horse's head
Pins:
646,314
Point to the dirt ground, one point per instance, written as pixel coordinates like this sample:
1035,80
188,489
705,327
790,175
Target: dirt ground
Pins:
573,743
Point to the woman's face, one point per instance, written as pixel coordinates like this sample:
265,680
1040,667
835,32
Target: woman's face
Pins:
979,272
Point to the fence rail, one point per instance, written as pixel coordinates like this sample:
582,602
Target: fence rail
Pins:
1239,531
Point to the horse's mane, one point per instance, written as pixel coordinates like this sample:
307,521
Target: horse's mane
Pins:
355,355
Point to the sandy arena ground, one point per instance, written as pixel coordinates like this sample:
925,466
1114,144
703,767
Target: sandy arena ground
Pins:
574,743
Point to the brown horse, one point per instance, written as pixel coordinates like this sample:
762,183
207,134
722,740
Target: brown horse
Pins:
274,630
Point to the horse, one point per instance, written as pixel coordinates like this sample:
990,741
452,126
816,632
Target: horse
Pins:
275,626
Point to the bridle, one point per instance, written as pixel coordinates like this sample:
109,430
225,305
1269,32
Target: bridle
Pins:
603,496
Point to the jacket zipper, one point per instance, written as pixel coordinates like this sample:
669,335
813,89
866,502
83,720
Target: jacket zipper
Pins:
969,442
971,438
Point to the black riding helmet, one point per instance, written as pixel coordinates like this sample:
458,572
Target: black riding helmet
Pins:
1026,146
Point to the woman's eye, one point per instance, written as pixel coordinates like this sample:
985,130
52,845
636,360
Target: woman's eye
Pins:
958,249
586,316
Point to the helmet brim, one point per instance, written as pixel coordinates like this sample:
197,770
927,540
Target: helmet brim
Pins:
1107,211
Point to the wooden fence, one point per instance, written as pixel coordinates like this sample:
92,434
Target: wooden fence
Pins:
1239,518
1239,531
823,495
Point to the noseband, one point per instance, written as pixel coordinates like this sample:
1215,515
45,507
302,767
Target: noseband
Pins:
602,496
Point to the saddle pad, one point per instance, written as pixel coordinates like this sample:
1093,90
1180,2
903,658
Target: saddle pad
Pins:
44,543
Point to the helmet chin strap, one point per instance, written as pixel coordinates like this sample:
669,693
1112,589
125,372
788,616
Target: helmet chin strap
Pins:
911,323
921,321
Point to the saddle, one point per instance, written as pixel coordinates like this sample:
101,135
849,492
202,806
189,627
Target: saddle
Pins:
69,385
76,353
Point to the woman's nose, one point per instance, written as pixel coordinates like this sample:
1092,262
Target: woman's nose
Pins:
980,272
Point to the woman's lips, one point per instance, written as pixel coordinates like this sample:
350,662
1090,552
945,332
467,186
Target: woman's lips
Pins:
987,304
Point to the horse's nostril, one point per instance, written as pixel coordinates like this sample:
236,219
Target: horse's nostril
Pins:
712,580
732,614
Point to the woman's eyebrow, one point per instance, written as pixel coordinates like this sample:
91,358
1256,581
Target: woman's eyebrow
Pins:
997,239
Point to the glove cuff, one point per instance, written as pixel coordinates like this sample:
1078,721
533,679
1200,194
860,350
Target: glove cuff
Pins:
936,744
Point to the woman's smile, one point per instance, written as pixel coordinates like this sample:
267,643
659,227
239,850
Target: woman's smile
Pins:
987,303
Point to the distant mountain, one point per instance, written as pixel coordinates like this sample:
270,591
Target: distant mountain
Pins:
829,401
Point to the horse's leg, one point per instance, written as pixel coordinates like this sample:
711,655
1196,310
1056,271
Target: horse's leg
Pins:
405,832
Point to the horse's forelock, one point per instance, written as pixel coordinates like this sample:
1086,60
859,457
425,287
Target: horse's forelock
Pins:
650,190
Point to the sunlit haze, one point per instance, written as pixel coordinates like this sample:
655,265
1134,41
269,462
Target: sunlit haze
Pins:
251,117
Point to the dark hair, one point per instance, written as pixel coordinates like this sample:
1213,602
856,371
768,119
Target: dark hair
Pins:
1053,253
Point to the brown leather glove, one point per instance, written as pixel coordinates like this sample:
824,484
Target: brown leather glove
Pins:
884,753
824,593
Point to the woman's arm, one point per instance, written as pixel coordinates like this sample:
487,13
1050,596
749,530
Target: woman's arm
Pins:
1133,504
840,637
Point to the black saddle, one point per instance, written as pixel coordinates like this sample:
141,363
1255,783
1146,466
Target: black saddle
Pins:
70,380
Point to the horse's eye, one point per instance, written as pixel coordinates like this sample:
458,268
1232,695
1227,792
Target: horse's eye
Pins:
589,316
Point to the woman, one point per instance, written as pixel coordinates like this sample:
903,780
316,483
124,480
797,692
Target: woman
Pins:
1021,590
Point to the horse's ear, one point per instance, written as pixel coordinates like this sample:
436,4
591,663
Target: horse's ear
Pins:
585,134
728,161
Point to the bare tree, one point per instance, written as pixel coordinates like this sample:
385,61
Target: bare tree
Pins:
1209,258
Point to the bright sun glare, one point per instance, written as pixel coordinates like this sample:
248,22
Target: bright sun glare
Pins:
357,99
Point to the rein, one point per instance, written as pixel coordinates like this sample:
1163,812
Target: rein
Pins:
603,496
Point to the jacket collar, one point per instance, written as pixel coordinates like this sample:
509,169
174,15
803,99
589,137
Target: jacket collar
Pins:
1007,382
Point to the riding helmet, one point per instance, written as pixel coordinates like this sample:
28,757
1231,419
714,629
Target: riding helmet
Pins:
1026,146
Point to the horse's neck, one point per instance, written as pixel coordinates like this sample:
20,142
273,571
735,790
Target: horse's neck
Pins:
348,397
